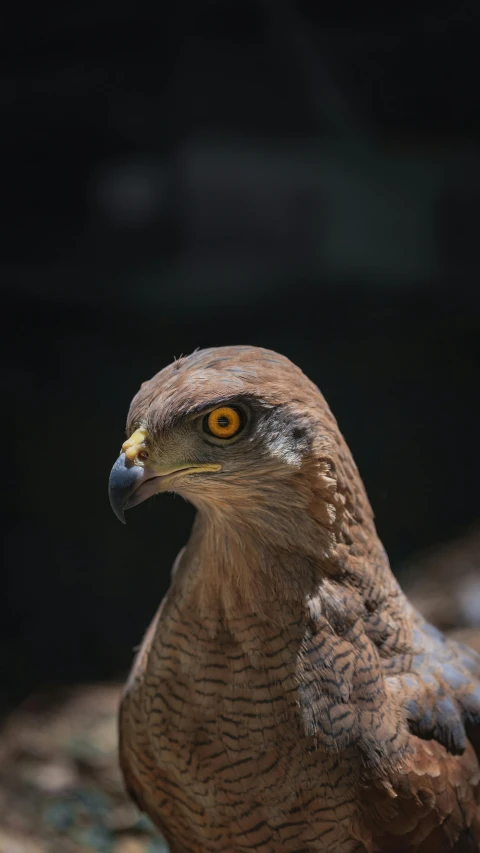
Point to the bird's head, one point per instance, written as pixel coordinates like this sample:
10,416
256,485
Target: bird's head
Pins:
224,427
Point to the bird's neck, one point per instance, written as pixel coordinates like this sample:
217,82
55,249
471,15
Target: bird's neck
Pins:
316,530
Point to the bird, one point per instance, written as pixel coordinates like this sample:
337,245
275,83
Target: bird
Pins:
287,697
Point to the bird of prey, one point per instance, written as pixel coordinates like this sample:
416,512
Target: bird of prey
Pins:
287,697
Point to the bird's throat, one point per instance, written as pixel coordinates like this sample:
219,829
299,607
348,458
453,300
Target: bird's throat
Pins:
233,566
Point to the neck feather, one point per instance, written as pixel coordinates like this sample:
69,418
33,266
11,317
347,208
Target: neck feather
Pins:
281,544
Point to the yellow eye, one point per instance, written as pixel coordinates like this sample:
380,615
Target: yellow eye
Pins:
224,422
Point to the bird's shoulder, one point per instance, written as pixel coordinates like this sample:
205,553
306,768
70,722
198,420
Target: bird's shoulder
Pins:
384,669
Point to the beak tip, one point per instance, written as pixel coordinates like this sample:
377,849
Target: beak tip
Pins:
120,515
117,507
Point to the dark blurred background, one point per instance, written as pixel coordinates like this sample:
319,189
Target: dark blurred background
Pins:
296,175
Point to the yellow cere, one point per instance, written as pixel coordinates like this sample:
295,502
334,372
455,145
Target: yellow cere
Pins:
224,422
134,445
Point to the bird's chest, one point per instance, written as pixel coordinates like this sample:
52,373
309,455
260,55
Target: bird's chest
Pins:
215,738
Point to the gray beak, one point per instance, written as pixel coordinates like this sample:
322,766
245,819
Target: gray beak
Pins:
129,485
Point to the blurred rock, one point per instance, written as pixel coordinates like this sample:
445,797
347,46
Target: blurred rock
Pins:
52,778
60,784
469,636
444,584
19,844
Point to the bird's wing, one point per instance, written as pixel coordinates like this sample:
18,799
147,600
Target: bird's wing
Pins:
410,714
441,692
430,801
430,805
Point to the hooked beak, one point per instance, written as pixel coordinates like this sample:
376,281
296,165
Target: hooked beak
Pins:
129,485
132,482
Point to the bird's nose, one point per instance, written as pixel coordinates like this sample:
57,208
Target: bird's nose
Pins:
126,477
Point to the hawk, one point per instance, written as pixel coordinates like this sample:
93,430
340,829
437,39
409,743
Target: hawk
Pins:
287,697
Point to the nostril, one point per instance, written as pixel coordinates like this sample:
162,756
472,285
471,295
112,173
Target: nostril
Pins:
142,455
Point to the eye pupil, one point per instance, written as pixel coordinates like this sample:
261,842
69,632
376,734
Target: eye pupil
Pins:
223,421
